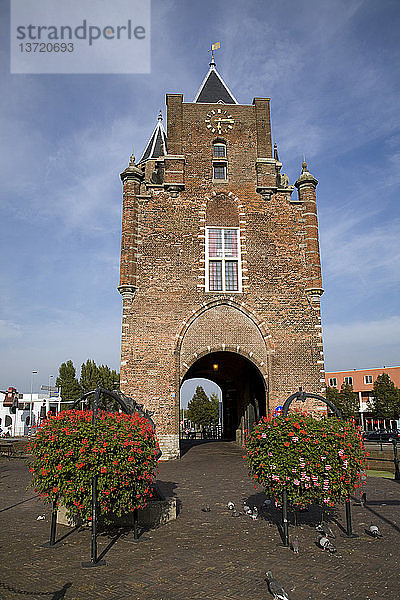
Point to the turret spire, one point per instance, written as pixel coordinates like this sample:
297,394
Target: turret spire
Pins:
157,145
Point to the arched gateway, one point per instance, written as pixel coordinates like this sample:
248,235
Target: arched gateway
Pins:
223,342
220,267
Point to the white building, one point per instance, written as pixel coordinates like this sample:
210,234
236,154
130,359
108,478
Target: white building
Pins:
32,409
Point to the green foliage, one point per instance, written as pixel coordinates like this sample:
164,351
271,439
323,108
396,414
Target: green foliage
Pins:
214,399
386,400
90,378
93,376
70,386
201,409
346,400
315,460
68,450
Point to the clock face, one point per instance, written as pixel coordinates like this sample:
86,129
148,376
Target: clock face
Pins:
219,121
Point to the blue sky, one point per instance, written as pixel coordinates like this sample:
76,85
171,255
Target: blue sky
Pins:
331,69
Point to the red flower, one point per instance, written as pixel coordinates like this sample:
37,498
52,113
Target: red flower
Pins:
103,470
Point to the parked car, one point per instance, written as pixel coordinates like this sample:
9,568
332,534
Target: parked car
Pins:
384,435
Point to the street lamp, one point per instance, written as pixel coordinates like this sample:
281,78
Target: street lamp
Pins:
31,402
48,403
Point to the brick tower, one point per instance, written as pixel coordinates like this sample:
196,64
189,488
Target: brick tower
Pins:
220,265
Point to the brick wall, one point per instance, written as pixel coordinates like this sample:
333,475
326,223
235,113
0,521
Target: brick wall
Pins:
274,321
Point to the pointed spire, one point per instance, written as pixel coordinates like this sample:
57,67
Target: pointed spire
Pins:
157,145
213,89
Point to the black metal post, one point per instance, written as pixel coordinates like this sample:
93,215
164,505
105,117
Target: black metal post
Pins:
52,542
348,518
53,524
94,562
285,524
135,524
380,441
396,461
93,551
349,530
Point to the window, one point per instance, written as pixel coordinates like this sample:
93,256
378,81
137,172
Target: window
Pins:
219,171
348,380
219,150
222,260
368,379
333,382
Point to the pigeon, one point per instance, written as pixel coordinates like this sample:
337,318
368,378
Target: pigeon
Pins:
363,500
266,503
326,544
276,590
295,544
374,531
325,529
246,508
206,508
236,513
40,518
231,506
254,514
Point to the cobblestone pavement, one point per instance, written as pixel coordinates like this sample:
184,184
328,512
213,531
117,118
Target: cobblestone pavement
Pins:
201,555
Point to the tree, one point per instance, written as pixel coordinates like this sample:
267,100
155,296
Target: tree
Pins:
214,399
90,378
346,400
201,410
93,376
386,400
70,386
109,378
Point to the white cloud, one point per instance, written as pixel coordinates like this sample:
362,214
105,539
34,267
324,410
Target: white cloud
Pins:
9,330
362,344
362,251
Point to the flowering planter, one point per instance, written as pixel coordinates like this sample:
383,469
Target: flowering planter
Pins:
312,460
120,449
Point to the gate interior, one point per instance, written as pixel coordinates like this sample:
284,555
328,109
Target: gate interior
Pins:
243,390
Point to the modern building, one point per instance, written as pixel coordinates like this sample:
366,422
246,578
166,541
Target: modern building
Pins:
362,381
220,265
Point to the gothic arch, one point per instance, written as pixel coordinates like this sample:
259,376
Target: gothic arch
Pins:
207,331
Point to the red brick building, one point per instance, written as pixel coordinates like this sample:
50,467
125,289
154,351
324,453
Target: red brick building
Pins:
362,381
220,265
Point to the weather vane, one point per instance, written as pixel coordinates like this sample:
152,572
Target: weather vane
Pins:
215,46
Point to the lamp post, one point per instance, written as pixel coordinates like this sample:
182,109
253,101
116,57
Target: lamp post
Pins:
31,402
48,404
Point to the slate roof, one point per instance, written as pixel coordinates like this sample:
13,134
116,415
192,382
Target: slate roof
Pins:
157,145
214,89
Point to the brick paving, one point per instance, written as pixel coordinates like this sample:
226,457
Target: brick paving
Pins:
201,555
